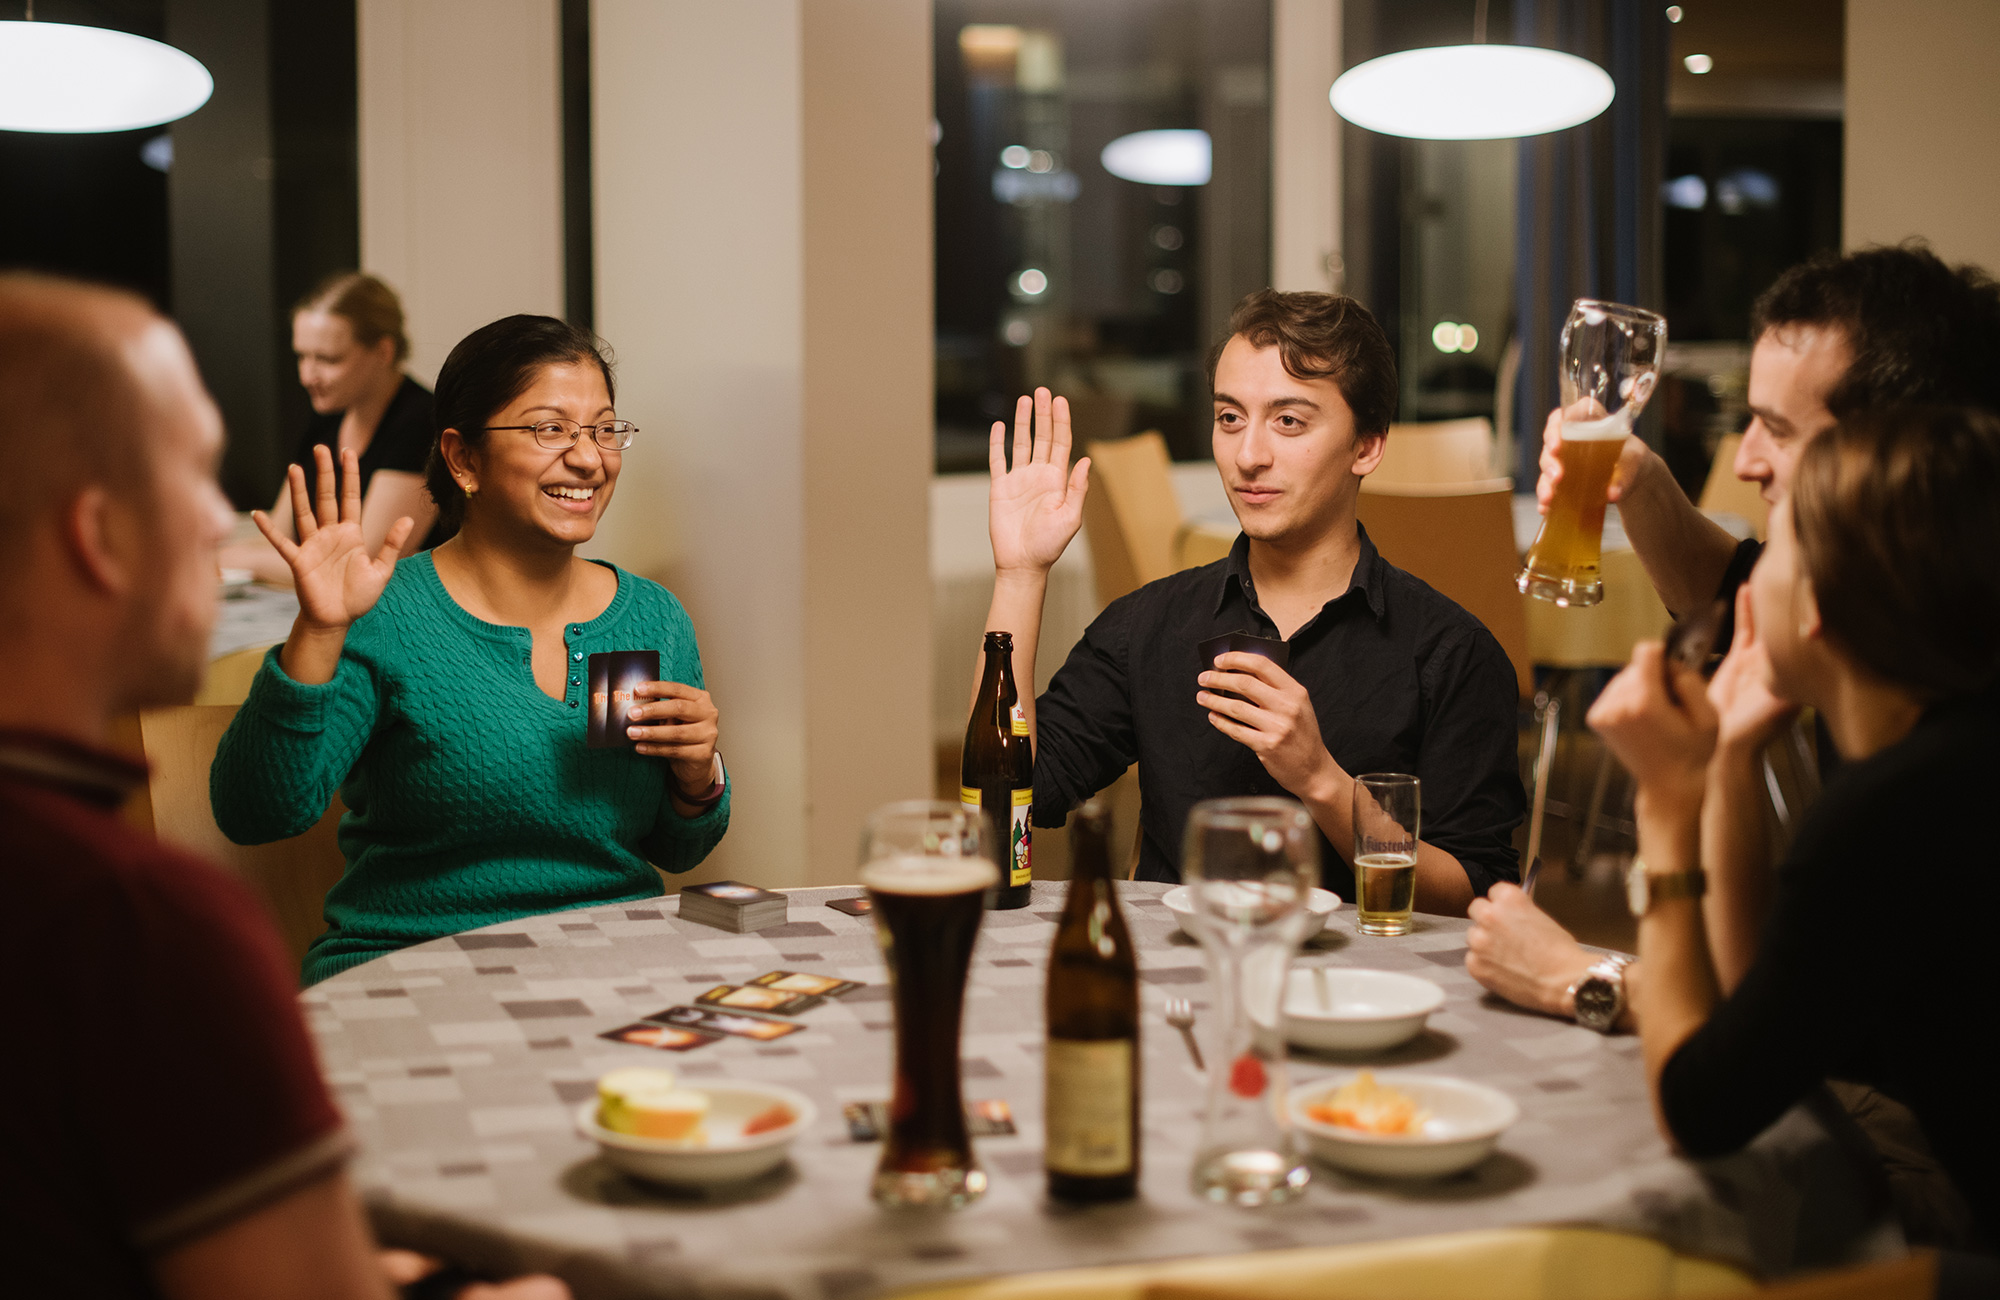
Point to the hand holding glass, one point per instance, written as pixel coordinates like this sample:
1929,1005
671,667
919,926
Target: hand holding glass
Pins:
1611,357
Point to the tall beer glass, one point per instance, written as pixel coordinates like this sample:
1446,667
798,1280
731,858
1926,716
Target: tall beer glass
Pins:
1611,357
927,866
1387,808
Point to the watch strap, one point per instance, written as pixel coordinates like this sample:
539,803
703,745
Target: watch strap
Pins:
708,798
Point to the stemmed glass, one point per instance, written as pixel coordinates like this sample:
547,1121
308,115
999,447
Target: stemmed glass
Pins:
1249,865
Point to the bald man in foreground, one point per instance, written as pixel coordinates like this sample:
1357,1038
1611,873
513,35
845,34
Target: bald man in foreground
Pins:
163,1126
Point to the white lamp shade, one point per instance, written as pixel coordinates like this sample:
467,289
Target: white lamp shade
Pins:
1472,92
61,77
1160,157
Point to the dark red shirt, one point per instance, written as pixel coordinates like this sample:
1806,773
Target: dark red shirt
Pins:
158,1082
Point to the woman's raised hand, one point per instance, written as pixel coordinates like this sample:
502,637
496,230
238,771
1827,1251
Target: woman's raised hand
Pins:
337,579
1034,508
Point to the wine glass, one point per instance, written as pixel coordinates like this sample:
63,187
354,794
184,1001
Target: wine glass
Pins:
1249,865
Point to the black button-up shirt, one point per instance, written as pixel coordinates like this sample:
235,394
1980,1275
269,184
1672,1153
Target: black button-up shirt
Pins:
1401,680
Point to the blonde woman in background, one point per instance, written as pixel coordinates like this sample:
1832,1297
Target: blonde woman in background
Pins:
349,338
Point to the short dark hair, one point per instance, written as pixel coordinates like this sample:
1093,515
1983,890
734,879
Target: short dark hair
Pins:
1921,332
489,368
1894,514
1321,336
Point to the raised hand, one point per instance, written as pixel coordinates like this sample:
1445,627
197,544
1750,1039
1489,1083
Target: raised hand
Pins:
1034,508
1631,460
1749,713
337,579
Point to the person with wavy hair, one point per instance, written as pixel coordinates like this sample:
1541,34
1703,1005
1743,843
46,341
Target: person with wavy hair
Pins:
1877,603
443,694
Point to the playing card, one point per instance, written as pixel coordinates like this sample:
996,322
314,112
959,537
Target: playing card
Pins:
791,981
724,1022
1278,652
664,1038
613,674
755,997
860,906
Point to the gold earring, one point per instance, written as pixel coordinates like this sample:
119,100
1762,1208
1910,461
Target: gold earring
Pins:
468,489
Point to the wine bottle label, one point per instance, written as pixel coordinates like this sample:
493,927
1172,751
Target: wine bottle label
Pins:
1021,840
1087,1107
1019,717
968,798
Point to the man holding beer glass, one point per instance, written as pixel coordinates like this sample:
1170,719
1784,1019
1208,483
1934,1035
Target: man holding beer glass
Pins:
1879,328
1381,673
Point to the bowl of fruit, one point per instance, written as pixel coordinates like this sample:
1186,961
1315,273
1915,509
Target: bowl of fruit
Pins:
1402,1126
650,1127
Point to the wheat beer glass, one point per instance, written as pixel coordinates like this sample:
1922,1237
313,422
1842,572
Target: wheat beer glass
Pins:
1387,806
1611,357
927,866
1249,865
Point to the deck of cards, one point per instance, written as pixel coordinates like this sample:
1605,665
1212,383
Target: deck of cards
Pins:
733,906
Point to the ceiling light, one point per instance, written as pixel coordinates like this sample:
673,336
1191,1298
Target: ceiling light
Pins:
66,78
1698,63
1160,157
1674,13
1472,92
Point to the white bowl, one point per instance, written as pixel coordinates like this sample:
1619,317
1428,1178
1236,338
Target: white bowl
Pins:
727,1156
1465,1124
1363,1011
1320,904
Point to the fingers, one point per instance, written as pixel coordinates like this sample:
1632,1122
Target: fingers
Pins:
392,545
1059,453
327,508
350,487
1079,482
1257,666
1044,445
996,451
668,691
1242,711
1746,618
1024,438
286,547
302,515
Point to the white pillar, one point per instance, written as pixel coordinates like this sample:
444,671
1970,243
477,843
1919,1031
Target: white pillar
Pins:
461,162
1305,145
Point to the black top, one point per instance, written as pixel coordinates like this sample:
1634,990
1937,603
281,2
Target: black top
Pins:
1874,967
1738,573
1401,679
402,440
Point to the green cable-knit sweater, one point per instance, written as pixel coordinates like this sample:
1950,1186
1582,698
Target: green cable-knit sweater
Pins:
471,795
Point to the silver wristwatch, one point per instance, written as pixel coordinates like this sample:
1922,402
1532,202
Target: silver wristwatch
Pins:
1599,997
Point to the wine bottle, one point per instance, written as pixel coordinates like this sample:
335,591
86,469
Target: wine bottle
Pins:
997,770
1090,1099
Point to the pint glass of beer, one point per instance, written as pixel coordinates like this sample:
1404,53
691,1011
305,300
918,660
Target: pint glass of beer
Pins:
927,866
1387,808
1611,357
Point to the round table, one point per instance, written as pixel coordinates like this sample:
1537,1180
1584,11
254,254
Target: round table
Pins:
461,1061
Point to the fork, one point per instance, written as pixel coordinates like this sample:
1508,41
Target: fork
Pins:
1180,1014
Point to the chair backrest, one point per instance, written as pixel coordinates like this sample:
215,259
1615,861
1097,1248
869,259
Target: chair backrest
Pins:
1131,514
1460,540
1725,493
292,875
1602,635
1444,451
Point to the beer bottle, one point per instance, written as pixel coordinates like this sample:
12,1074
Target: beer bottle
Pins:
1090,1100
996,773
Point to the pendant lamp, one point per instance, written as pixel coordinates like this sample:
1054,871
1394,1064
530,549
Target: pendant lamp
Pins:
61,77
1472,92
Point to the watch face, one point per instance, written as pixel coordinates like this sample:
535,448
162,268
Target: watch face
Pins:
1596,1002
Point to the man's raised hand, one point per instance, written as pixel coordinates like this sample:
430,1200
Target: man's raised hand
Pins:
1034,508
337,580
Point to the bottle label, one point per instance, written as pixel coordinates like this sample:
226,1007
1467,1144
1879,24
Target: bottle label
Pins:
1020,839
1087,1107
1019,717
968,798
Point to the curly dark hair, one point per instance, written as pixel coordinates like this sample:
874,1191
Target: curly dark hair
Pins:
1322,336
489,368
1921,331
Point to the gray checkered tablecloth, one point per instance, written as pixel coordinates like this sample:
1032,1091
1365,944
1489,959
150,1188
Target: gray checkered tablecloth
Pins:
460,1062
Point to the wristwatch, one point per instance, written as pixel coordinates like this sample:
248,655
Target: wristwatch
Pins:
708,798
1598,999
1643,889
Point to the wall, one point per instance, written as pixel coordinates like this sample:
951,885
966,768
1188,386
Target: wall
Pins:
461,165
1305,145
762,174
1923,126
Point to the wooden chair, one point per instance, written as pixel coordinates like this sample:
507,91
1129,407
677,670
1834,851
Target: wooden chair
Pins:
1434,453
1725,493
292,875
1495,1264
1131,514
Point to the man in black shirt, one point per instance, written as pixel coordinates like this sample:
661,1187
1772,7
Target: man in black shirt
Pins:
1384,673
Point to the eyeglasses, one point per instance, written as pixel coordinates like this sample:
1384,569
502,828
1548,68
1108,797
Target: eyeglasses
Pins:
612,435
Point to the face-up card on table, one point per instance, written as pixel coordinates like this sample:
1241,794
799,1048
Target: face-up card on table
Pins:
860,906
613,675
819,986
662,1038
1278,652
755,997
713,1020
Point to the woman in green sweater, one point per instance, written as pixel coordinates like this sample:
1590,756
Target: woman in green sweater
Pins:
444,694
